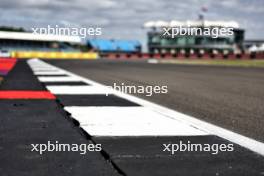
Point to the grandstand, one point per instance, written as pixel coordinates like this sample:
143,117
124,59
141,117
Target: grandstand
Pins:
25,41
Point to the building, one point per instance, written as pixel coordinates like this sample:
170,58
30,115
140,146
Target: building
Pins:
194,44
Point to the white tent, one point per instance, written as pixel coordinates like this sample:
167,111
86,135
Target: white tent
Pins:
253,48
261,48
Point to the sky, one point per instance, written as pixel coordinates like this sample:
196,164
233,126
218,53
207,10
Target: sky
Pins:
123,19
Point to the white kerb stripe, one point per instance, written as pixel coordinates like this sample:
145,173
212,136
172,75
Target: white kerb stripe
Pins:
49,73
129,121
58,79
45,69
77,90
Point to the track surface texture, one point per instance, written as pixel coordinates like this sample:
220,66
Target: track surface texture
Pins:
230,97
132,134
26,121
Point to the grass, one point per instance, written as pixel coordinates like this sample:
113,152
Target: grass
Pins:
239,63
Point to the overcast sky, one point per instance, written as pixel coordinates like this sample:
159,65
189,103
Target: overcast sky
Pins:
123,19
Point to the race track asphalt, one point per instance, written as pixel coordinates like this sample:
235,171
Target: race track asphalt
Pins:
76,114
230,97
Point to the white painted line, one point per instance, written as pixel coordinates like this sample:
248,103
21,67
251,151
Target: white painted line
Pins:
77,90
239,139
58,79
46,69
129,121
130,130
153,61
49,73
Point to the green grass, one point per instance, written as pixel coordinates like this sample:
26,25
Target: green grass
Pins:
240,63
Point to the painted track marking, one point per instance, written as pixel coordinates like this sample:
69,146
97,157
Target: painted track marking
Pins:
239,139
129,121
11,94
78,90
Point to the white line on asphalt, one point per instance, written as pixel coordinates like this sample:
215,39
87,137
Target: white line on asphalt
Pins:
58,79
47,70
244,141
49,73
153,61
77,90
129,121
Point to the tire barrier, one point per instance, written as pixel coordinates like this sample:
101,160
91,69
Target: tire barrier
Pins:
55,55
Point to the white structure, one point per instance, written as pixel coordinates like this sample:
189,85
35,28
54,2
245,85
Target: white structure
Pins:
254,48
189,23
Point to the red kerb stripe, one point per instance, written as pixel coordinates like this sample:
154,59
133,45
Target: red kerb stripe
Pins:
7,64
10,94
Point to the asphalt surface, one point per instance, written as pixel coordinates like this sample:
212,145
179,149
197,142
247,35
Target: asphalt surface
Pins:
36,121
230,97
144,155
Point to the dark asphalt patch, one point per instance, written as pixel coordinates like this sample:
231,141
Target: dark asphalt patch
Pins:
94,100
144,156
69,83
26,122
3,72
21,78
